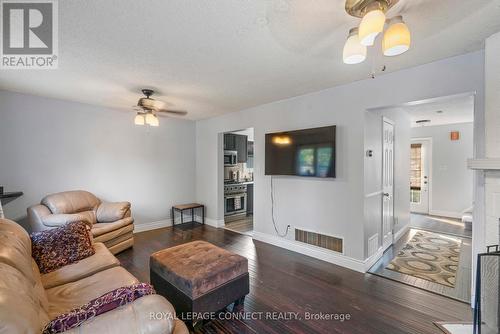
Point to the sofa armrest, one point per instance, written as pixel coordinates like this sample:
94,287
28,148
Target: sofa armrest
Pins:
150,314
108,212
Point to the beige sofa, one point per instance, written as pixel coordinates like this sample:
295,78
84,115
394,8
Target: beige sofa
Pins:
29,300
111,223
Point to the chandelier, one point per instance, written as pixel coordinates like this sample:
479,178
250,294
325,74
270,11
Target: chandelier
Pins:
396,39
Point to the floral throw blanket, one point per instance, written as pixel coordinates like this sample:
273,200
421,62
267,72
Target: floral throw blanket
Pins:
105,303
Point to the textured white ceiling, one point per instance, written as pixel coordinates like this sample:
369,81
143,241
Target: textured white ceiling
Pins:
454,110
212,57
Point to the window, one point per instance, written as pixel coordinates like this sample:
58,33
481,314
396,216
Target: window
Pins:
415,172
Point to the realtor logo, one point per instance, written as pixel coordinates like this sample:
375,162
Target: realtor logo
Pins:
29,34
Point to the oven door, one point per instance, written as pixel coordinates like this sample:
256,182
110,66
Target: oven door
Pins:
235,203
230,158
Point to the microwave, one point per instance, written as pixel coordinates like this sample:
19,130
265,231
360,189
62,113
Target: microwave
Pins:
230,158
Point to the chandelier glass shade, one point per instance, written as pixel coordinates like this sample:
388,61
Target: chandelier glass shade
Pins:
371,25
146,118
150,118
397,38
155,121
354,51
139,119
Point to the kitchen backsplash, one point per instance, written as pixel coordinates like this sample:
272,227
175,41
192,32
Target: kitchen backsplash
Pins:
245,172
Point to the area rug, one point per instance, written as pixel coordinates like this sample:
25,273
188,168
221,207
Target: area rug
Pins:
429,256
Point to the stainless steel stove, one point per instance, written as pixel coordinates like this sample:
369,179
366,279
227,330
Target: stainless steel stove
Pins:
235,199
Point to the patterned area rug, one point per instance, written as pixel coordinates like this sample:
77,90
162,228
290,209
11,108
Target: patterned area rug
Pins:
430,256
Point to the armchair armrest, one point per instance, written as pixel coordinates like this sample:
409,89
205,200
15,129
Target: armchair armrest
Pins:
108,212
35,215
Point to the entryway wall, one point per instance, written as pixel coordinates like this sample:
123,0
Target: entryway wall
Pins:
451,186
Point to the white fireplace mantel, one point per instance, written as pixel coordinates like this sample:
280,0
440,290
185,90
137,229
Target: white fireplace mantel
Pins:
484,164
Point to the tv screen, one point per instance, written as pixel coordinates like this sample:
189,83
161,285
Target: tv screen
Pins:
309,152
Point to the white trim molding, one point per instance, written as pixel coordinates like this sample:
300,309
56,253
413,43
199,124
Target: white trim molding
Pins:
484,164
313,251
401,232
143,227
442,213
369,262
217,223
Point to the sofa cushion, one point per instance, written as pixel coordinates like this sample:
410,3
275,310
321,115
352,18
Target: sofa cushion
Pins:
55,248
110,212
69,296
95,307
101,260
15,247
103,228
71,202
197,267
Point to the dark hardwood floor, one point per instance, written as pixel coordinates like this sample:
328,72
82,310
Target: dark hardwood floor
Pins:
284,281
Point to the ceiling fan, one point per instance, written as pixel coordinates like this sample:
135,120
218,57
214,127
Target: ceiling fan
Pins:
148,109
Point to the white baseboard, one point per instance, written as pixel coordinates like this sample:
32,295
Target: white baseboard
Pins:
217,223
369,262
401,232
449,214
313,251
143,227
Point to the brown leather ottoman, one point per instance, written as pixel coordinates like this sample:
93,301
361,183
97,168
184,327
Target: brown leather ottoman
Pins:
199,277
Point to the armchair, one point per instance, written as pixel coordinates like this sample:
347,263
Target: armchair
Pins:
111,223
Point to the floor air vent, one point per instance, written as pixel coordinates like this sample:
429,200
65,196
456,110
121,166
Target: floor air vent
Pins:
320,240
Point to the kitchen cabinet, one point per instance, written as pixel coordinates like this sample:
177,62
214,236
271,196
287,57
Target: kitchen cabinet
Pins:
238,143
229,142
250,149
242,148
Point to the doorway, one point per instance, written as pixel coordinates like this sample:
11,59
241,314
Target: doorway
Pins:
420,171
434,139
239,181
387,182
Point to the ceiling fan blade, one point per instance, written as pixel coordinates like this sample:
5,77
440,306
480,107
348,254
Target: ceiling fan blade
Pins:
173,112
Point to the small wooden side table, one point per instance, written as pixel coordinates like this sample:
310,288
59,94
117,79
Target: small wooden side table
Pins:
191,206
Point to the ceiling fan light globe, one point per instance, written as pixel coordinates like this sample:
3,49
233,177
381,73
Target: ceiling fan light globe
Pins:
155,122
397,38
354,52
371,25
150,118
139,119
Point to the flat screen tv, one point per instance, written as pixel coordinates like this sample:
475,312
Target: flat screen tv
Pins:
309,152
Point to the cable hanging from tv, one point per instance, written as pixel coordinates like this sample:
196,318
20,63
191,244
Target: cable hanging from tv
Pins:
272,213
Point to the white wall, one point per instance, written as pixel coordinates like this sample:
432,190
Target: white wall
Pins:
49,145
333,207
452,182
373,171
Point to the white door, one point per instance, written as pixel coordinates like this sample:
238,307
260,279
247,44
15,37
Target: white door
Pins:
387,183
420,175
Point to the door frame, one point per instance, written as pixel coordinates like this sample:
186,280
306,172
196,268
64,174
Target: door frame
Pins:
390,121
429,188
